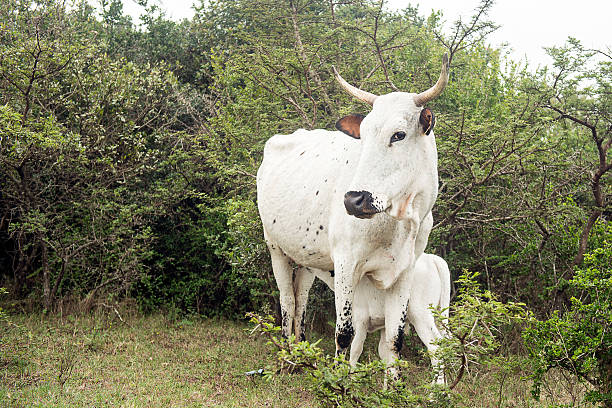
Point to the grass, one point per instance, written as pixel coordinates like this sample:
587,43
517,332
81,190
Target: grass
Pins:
104,360
147,362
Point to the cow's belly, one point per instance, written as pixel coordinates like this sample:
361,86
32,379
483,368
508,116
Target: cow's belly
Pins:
297,187
302,233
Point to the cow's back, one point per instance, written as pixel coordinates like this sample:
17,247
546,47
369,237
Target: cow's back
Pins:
297,188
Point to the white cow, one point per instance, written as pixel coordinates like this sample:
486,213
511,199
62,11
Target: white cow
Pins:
429,287
358,205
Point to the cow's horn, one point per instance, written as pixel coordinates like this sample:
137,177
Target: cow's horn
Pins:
356,92
433,92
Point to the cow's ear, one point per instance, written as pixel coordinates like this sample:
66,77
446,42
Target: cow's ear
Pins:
350,125
427,120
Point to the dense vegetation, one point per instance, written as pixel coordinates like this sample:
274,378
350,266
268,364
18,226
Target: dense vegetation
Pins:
127,155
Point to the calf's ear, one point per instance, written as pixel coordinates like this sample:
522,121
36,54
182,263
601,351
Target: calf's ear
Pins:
427,120
350,125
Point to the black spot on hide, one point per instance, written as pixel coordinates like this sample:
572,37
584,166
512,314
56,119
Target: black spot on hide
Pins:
284,321
320,227
303,152
303,327
274,222
317,193
399,339
345,335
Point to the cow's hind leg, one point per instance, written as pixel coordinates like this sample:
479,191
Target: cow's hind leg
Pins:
304,279
283,274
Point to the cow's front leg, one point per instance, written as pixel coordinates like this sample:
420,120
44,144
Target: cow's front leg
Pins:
344,285
396,304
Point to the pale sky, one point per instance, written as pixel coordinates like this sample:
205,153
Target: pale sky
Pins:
526,25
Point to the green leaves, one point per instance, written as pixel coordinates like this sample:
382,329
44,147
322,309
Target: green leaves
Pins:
332,379
84,143
476,323
579,341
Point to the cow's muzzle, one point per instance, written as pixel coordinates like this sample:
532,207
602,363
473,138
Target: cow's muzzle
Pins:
360,204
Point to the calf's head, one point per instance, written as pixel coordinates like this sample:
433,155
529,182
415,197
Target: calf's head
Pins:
398,161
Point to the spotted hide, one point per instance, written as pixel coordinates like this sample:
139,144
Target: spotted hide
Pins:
356,201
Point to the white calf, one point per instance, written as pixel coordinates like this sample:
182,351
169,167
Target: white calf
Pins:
429,286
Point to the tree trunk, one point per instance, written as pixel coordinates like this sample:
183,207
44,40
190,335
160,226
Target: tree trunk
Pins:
47,300
584,237
58,280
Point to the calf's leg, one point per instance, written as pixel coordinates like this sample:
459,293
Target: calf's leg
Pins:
425,326
361,331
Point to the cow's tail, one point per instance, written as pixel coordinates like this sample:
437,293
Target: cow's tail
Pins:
445,283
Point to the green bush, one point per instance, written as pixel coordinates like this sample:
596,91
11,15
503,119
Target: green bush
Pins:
247,255
475,327
209,259
186,272
332,379
579,341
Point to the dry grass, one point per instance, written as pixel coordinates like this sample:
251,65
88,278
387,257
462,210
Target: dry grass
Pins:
145,362
112,360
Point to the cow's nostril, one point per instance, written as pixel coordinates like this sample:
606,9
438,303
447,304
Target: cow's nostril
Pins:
358,203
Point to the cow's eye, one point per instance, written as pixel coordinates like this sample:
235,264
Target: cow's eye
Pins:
397,136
